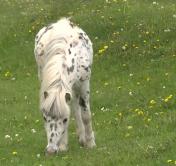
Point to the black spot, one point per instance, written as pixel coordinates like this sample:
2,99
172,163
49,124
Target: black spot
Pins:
51,126
63,65
54,117
45,94
87,92
80,37
70,69
82,102
70,45
55,126
81,79
73,60
67,97
75,54
65,120
44,118
71,24
51,140
63,132
69,51
85,68
52,134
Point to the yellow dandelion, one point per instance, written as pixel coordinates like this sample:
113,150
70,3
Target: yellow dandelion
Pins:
7,74
169,161
147,32
148,79
120,114
140,112
105,47
14,153
152,102
148,120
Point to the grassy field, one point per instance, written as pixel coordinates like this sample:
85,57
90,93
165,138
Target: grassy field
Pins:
133,86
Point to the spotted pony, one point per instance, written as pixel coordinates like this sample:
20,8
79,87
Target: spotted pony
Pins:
64,54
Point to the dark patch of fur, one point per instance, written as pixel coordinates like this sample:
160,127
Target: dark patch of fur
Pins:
70,69
51,126
82,102
45,94
52,134
67,97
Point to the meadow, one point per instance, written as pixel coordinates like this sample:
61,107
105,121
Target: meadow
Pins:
133,85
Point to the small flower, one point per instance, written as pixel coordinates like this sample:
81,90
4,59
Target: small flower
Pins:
38,155
140,113
131,93
166,74
33,130
148,79
7,74
14,153
174,15
167,30
168,98
169,161
120,114
124,48
127,135
152,102
105,47
7,136
148,120
130,127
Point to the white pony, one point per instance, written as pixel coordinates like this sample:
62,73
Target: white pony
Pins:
64,57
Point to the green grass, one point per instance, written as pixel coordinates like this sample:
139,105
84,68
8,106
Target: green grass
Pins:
133,116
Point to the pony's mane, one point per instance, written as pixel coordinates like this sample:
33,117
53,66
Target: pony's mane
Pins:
53,85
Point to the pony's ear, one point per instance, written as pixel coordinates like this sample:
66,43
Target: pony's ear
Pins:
67,97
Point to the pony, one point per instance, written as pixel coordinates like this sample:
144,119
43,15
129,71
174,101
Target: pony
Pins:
64,57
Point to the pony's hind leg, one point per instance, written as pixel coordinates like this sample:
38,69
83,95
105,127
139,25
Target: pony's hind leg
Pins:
86,115
78,118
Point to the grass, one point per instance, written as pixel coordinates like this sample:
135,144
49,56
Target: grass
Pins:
132,88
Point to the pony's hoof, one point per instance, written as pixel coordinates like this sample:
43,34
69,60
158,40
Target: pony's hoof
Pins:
82,141
63,148
50,151
90,144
